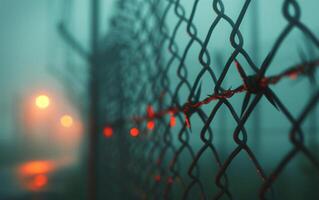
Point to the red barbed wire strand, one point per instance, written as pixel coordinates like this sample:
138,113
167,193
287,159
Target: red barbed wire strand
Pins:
259,84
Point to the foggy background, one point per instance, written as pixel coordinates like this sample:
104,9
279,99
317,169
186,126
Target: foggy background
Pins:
35,60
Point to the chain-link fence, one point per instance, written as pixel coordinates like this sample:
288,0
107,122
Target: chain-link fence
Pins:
218,95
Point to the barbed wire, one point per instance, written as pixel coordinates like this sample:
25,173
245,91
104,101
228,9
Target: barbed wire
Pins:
251,85
148,83
159,164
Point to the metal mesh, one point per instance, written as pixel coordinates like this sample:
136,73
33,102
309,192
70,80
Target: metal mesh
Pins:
159,64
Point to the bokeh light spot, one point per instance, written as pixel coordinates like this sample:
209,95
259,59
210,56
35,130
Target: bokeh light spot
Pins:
42,101
36,167
108,132
66,121
40,181
134,132
150,125
172,121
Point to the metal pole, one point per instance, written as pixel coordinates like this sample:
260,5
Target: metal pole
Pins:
93,101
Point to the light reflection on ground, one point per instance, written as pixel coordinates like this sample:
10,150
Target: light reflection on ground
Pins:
35,175
36,167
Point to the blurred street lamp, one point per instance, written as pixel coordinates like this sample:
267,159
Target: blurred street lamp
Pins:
66,121
42,101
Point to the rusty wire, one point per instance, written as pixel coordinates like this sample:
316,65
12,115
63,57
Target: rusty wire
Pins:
151,51
141,52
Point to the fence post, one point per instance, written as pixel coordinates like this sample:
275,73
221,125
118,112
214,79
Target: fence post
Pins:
93,102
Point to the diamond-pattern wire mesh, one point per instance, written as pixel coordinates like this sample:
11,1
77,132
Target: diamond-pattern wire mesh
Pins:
145,64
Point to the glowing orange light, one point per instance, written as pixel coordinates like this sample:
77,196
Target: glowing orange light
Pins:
42,101
172,121
108,132
134,132
150,125
36,167
39,181
66,121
